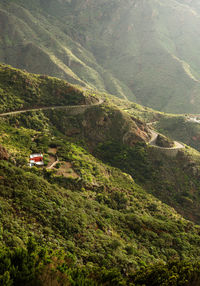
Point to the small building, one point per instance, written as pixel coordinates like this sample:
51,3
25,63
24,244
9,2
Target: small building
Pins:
36,160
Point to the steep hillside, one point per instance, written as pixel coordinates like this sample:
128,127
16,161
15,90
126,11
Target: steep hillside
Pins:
142,43
20,90
36,41
99,221
147,51
183,128
173,179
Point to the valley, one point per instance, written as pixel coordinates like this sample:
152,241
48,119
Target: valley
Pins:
151,58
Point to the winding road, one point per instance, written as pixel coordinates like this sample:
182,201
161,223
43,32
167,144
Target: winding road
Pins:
152,142
52,107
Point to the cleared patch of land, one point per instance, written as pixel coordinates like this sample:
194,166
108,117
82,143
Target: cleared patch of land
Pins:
66,170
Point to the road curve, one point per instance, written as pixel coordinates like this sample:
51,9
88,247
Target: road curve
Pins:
152,142
51,107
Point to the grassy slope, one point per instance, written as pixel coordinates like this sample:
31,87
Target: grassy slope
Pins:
105,129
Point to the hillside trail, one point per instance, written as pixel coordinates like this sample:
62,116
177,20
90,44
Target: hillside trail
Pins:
51,107
53,164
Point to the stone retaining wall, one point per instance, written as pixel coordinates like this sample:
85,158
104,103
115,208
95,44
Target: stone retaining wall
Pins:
171,152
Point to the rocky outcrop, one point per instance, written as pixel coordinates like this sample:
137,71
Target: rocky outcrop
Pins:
106,123
163,141
133,136
157,138
99,123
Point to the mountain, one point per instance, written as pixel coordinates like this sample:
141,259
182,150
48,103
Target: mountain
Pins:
88,215
146,51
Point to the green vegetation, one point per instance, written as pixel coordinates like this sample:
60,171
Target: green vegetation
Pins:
38,266
91,216
115,224
163,141
146,51
179,128
173,180
118,214
20,90
173,273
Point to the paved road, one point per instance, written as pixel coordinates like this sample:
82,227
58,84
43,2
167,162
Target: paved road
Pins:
152,142
51,107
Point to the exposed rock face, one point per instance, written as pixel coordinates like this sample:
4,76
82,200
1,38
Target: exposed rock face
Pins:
101,125
134,136
163,141
3,153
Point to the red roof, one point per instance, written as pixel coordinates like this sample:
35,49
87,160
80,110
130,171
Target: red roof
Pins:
36,157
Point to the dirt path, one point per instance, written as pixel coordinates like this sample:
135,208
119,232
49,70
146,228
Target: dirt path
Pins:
53,164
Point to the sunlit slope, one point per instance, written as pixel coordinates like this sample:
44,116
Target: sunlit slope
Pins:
153,46
21,90
37,42
143,50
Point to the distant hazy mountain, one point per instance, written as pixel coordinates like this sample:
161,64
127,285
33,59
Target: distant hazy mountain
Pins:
145,50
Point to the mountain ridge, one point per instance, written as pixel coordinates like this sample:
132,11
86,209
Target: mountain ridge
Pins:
151,57
109,206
